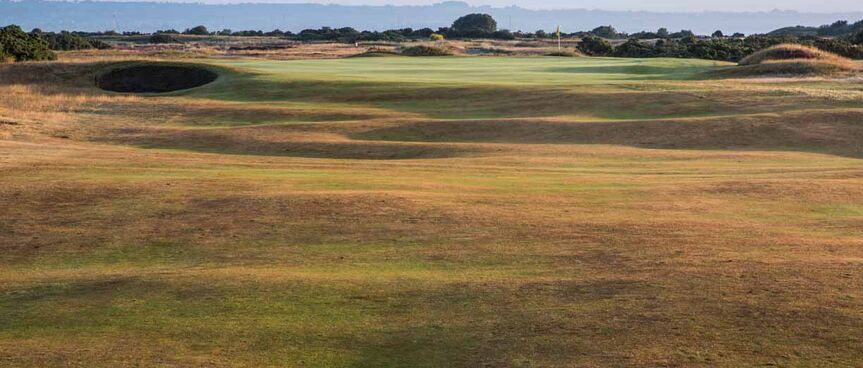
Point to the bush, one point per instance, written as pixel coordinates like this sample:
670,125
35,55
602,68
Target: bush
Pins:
66,41
21,46
162,38
425,51
563,53
634,49
594,46
437,37
858,38
840,47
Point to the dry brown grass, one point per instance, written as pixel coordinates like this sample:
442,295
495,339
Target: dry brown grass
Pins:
48,98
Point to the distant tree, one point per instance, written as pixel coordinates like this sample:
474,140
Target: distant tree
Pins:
197,30
168,31
718,34
595,46
662,33
605,32
224,32
423,33
738,35
275,33
682,34
475,22
540,34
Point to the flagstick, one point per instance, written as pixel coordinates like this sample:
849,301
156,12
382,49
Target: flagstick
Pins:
558,38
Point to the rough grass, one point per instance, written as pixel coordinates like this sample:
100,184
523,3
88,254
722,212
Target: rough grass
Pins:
606,213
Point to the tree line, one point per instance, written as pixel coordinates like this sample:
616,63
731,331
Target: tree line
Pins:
722,49
841,37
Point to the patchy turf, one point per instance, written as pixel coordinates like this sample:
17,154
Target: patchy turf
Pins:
427,212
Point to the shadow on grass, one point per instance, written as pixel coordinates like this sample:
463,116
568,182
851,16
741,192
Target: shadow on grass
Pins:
230,141
835,132
637,71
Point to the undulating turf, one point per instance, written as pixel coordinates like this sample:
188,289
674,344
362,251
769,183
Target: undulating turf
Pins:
431,212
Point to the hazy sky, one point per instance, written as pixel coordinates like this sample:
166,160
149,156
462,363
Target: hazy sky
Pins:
823,6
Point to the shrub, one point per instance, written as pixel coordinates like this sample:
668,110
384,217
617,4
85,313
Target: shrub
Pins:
595,46
66,41
426,51
840,47
635,49
858,38
437,37
21,46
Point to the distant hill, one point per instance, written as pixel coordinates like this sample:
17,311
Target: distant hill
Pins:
798,31
835,29
150,16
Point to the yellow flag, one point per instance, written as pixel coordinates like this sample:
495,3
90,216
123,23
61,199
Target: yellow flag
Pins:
558,32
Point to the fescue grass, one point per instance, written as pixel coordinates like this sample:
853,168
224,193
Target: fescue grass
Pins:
428,212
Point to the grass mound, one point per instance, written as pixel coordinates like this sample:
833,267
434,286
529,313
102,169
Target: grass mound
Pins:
791,52
155,78
789,60
792,68
423,50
